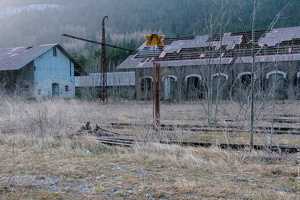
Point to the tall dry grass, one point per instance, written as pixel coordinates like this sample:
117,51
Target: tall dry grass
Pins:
47,124
39,121
42,123
34,140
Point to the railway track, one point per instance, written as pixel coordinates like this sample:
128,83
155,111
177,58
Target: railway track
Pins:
126,142
116,142
213,128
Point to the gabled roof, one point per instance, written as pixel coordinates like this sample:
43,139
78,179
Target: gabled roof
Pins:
281,44
18,57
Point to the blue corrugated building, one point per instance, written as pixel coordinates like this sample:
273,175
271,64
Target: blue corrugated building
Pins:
38,71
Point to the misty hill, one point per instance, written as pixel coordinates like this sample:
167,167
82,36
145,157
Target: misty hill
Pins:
33,22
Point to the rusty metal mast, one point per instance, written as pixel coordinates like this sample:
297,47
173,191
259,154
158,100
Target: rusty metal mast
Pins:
103,65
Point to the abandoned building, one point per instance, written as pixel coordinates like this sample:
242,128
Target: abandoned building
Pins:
219,66
38,71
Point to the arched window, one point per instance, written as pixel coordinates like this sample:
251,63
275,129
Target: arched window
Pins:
243,86
219,90
146,84
146,88
297,80
277,84
297,85
170,86
193,87
245,79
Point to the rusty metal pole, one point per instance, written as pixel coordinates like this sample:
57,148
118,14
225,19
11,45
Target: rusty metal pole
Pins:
155,40
103,65
156,97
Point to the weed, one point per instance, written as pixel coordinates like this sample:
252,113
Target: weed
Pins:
100,190
120,194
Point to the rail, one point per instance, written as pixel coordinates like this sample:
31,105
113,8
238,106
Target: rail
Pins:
214,128
127,142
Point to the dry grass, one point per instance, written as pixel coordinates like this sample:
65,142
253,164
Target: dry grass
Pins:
36,164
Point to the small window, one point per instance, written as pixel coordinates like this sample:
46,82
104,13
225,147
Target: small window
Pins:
54,52
39,91
66,88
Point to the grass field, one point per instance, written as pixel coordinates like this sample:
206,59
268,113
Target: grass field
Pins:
39,159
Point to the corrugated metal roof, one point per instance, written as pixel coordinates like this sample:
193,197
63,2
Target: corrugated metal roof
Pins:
148,51
130,63
113,79
18,57
281,44
279,35
199,41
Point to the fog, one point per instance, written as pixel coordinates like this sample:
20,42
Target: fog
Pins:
34,22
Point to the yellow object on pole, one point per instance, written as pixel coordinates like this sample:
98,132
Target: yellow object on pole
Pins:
154,40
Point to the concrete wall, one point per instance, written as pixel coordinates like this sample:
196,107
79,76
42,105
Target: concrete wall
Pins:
276,80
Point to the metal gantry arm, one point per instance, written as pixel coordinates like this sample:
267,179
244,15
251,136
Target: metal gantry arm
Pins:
95,42
103,57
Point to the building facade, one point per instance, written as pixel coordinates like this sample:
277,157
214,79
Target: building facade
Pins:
38,71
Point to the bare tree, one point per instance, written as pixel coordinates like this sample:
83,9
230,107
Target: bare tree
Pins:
217,16
255,75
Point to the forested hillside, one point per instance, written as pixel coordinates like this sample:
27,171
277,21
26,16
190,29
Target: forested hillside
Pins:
32,22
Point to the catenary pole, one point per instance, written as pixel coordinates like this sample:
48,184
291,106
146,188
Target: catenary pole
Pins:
103,64
252,118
